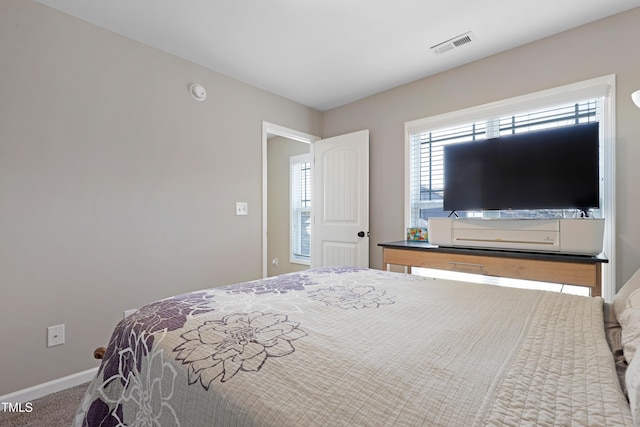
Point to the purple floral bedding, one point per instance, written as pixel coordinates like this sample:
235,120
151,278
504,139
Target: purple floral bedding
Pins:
348,346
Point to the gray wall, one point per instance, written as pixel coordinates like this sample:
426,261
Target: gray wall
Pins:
117,188
609,46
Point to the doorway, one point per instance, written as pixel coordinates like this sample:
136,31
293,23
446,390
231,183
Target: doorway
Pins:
278,145
339,225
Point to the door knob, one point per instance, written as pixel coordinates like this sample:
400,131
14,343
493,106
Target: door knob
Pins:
361,234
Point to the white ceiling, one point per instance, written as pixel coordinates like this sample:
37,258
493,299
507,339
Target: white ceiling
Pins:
326,53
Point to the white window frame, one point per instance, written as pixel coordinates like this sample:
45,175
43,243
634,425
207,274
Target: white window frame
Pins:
295,211
600,87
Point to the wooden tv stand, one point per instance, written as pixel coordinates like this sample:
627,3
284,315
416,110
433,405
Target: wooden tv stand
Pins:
579,270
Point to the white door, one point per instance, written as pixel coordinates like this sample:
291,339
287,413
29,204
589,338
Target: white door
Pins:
340,232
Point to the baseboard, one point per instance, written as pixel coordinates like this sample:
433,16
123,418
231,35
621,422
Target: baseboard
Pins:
41,390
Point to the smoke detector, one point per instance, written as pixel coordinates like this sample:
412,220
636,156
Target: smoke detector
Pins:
453,43
198,92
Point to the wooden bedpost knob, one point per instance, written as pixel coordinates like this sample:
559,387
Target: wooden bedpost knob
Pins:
98,353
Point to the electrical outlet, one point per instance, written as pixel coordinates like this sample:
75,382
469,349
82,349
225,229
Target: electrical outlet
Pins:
242,208
274,262
55,335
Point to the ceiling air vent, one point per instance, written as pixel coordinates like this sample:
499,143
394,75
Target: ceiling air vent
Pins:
453,43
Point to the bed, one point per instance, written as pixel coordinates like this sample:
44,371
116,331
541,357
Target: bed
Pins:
360,347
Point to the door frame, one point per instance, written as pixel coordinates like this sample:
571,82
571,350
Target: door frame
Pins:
271,129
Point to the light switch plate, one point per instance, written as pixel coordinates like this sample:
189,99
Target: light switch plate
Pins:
242,208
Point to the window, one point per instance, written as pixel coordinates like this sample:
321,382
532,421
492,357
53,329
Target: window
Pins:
300,201
427,160
593,99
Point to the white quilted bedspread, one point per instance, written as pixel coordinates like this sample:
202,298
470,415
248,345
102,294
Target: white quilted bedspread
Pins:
561,374
352,347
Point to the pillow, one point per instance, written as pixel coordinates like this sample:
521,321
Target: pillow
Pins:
630,335
628,295
633,388
613,332
612,327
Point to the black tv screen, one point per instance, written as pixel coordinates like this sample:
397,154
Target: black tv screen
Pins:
549,169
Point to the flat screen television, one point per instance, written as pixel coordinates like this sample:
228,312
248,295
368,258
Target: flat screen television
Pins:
549,169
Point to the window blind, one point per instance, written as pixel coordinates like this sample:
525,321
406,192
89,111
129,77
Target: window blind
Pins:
300,208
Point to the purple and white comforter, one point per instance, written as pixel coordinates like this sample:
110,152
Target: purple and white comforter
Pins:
358,347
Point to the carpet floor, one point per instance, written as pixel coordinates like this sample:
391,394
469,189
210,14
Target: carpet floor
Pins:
53,410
